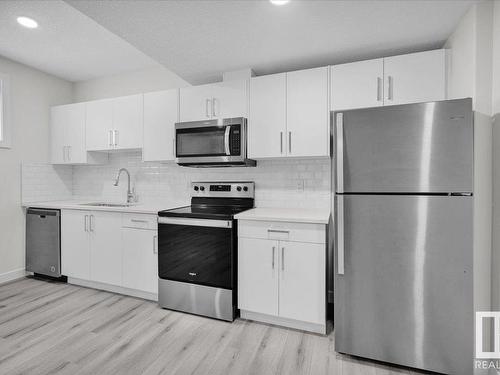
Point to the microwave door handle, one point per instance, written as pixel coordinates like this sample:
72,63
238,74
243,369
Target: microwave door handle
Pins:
226,140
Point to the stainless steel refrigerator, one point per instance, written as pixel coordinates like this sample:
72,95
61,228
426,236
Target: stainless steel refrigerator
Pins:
404,234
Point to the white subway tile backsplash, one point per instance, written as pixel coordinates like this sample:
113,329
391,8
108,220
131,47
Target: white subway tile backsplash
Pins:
276,181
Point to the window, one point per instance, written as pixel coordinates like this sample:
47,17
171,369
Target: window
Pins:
4,111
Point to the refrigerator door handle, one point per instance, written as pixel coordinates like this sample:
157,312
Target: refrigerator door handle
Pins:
340,151
340,234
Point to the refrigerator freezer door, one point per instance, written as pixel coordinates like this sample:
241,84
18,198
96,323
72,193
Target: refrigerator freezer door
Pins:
406,293
413,148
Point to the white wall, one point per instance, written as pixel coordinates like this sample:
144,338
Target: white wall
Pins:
153,79
31,94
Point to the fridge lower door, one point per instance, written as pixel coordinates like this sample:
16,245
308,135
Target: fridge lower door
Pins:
405,295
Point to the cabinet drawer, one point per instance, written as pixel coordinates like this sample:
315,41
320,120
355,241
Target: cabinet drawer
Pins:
282,231
140,221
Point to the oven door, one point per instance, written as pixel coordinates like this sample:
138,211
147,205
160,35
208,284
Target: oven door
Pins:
209,142
196,251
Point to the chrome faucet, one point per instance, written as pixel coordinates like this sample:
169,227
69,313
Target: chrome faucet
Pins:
130,193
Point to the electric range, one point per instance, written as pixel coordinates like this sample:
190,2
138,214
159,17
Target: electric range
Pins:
197,250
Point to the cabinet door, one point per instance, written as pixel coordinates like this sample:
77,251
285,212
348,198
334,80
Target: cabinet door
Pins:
267,116
75,134
99,123
75,247
258,275
128,121
58,122
302,285
357,85
230,99
140,259
161,110
307,113
414,78
195,103
105,248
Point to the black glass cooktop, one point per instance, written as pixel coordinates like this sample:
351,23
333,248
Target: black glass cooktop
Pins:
213,209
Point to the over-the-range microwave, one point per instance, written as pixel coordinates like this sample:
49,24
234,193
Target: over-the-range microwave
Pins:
212,143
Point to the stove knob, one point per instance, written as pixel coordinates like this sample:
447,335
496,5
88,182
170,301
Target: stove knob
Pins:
202,188
238,188
196,188
245,188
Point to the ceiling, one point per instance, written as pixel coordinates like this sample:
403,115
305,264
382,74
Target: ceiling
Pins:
199,40
67,43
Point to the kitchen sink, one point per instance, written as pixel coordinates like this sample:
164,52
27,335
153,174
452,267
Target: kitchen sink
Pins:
103,204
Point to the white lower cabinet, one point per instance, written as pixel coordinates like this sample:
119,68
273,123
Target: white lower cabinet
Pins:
258,275
75,244
140,259
111,250
282,281
105,248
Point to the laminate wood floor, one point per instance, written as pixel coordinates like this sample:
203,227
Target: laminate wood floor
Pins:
56,328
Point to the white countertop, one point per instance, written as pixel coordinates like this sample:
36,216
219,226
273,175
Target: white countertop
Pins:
295,215
137,208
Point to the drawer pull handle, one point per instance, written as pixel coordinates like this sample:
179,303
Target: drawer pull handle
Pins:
138,221
278,231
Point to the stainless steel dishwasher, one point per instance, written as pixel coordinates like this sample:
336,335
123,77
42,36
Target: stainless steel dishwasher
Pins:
43,242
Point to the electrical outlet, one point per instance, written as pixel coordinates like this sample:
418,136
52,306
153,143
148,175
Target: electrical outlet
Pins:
300,185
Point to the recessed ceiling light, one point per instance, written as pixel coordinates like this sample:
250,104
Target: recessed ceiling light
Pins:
30,23
279,2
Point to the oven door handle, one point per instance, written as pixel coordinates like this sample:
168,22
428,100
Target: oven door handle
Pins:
196,222
226,140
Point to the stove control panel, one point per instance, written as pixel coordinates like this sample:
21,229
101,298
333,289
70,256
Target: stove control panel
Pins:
233,189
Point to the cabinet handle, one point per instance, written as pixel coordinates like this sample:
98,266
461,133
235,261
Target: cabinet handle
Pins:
138,221
214,111
173,147
85,223
116,133
274,249
110,142
91,223
283,258
289,142
155,248
69,153
281,142
207,102
278,231
379,86
390,84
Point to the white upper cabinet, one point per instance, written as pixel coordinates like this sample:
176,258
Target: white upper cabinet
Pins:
67,135
267,117
307,113
115,124
219,100
99,125
128,121
230,99
357,85
289,115
413,78
161,112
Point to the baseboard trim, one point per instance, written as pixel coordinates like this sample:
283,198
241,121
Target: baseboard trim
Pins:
290,323
12,275
114,289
